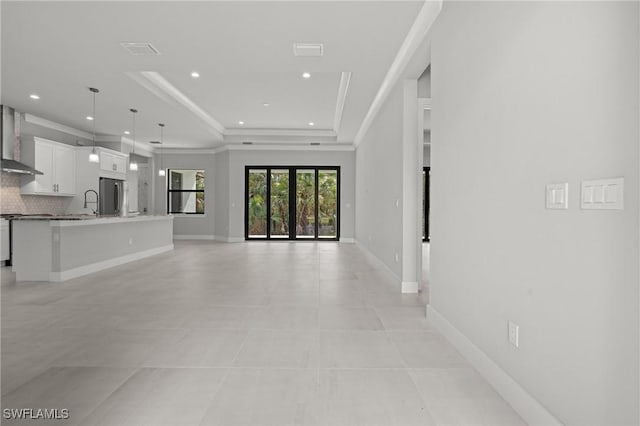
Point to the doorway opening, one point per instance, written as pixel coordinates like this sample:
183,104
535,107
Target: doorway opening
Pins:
426,185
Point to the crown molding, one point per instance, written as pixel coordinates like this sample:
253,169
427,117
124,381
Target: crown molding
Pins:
279,147
110,139
38,121
345,78
416,36
281,132
193,151
258,147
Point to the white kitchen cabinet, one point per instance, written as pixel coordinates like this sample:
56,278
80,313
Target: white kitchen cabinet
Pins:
112,165
113,162
57,162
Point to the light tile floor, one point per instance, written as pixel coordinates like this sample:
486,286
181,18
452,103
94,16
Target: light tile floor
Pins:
237,334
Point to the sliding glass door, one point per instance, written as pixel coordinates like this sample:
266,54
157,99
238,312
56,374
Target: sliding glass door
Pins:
292,203
306,203
256,206
327,203
279,197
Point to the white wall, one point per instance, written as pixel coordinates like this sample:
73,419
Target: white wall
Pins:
224,183
201,226
379,182
525,94
222,194
241,158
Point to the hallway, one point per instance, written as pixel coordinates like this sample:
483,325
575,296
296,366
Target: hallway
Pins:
248,333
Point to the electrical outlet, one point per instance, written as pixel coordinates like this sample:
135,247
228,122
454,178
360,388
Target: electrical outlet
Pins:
514,334
130,241
397,257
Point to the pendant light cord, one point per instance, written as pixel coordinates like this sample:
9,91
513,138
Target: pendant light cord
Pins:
94,91
134,111
94,119
161,143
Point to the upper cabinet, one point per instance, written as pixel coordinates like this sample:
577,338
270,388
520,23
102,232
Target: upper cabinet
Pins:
57,162
113,162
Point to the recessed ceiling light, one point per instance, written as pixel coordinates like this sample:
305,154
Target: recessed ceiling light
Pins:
306,75
195,74
311,123
34,96
126,132
266,104
241,122
90,118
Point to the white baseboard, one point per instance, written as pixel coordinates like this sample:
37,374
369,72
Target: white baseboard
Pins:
194,237
99,266
347,240
378,263
410,287
522,402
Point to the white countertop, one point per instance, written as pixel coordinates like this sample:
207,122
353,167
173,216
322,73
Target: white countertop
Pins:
86,220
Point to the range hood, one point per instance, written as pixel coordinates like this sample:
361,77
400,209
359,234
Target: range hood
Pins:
10,130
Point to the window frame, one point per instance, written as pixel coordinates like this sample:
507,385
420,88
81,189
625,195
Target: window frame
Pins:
170,191
292,202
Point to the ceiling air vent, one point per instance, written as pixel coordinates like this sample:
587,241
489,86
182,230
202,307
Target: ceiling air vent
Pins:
155,142
314,143
247,143
308,49
139,49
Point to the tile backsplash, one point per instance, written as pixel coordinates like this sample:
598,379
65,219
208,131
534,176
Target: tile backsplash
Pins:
12,201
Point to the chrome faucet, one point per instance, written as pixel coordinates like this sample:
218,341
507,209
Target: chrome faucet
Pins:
96,201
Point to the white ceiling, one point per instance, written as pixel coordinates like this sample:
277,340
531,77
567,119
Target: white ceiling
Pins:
242,50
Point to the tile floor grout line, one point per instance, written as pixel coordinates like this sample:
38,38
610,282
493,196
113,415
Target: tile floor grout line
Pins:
236,294
133,373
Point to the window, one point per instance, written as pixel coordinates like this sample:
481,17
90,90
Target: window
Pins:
292,203
185,193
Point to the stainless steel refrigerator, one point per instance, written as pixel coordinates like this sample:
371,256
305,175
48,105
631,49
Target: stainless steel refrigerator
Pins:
111,196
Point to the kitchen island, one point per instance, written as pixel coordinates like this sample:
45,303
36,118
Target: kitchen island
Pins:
58,248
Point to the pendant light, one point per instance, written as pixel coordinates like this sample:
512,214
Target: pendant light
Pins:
133,165
94,157
161,171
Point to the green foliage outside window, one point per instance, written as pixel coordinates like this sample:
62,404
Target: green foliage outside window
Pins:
305,199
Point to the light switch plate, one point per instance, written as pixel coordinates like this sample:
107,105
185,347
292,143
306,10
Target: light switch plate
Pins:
602,194
558,196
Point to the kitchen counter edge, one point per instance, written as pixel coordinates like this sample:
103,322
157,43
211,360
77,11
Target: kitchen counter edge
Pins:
61,221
